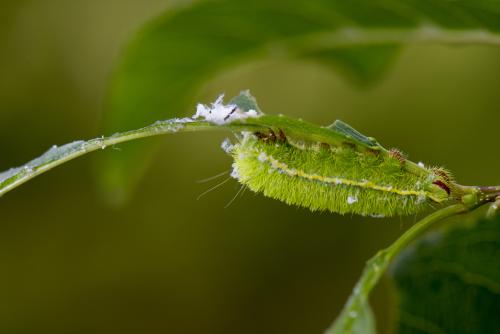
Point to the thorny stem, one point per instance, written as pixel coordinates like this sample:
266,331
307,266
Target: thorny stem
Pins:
378,264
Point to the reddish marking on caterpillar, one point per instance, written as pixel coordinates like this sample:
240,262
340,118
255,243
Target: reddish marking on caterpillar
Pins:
266,137
398,155
443,174
271,136
442,185
281,136
324,146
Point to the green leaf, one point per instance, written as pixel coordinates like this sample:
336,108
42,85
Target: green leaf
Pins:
58,155
449,282
172,56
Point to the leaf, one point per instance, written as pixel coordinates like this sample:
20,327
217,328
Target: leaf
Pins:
56,156
449,282
172,56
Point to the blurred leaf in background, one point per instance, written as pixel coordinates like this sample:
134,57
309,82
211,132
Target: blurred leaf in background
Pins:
449,282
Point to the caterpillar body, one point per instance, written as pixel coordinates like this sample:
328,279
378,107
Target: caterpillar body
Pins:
338,179
333,168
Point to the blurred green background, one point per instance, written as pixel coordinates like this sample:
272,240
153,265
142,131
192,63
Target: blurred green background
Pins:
166,262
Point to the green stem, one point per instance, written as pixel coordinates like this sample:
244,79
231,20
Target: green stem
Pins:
377,265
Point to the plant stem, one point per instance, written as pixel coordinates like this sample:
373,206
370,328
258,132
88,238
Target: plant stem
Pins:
378,264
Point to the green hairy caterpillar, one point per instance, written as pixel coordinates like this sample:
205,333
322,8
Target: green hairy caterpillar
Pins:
338,179
352,174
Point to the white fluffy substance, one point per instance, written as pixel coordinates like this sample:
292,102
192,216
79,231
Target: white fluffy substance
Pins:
235,174
220,113
227,146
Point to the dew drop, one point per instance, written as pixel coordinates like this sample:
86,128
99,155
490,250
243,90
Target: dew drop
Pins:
227,146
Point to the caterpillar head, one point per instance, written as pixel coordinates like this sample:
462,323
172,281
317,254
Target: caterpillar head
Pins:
444,180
